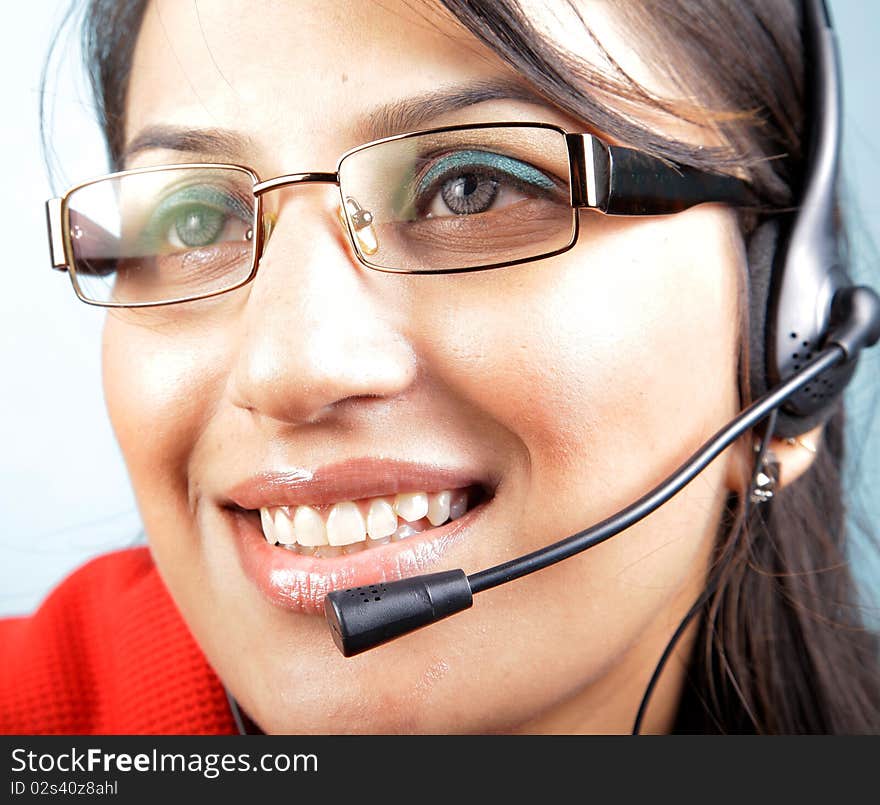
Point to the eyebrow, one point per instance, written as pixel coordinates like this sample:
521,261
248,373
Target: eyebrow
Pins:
396,117
222,142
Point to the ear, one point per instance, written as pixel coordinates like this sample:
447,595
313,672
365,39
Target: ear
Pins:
795,457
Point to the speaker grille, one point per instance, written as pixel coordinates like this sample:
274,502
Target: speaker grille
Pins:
367,593
822,390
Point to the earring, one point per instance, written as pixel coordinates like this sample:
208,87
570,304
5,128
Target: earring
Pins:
799,442
766,477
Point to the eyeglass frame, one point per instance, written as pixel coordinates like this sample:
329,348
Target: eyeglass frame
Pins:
610,179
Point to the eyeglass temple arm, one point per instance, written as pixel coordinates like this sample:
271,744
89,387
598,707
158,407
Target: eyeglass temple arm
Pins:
55,224
621,181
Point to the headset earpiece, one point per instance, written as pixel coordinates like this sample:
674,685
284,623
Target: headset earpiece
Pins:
774,355
782,338
794,267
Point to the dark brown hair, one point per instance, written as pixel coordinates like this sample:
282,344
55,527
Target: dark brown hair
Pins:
781,646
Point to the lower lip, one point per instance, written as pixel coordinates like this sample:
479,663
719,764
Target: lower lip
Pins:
300,583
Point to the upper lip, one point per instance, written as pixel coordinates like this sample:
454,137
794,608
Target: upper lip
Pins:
349,480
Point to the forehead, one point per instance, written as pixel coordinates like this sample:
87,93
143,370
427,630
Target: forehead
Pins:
305,73
301,70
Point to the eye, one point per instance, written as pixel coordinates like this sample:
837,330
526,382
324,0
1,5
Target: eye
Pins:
470,182
196,226
468,193
198,216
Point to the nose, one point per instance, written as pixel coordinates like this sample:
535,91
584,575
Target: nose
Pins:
317,329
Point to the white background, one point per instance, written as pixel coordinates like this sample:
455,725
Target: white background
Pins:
63,487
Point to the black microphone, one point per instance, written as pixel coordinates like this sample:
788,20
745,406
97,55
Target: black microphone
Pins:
364,617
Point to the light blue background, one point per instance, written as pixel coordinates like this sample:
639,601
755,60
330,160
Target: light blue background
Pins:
63,486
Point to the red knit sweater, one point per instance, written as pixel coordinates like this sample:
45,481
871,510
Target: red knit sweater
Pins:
108,653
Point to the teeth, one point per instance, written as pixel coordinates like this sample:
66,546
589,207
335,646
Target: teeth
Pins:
411,506
268,526
381,519
382,541
345,524
309,527
404,530
283,528
458,504
438,507
347,530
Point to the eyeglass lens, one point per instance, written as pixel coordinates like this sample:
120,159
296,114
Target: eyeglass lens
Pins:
162,235
460,199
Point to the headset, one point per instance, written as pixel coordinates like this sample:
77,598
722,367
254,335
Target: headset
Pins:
808,325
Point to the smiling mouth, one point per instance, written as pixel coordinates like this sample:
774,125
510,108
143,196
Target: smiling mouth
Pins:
353,526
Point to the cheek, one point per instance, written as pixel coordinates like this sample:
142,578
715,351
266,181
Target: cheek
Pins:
161,384
622,346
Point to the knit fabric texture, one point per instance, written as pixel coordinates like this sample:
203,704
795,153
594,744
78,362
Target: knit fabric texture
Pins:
108,653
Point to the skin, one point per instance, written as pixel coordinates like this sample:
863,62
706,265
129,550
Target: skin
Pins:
620,360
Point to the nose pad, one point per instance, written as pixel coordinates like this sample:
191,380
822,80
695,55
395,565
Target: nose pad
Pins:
269,221
361,224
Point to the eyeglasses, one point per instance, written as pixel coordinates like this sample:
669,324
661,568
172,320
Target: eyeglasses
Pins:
439,201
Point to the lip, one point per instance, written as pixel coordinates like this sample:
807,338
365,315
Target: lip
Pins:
349,480
300,583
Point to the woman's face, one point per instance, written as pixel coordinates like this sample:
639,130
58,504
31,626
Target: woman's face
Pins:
566,387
